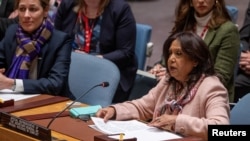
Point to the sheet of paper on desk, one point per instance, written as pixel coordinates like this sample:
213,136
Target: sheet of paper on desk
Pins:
7,94
133,128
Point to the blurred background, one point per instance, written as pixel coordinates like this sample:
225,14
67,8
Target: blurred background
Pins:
160,15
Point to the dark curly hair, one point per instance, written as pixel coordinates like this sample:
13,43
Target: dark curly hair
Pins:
196,49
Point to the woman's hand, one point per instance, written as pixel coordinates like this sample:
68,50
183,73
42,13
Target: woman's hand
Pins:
79,51
106,113
245,62
165,121
2,70
159,71
5,82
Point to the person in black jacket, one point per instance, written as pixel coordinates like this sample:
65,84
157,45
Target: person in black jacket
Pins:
34,57
242,82
6,9
105,28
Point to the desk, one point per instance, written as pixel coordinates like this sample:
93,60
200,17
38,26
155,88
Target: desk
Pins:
59,125
43,109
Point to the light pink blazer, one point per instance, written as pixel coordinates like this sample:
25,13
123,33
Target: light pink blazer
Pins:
209,106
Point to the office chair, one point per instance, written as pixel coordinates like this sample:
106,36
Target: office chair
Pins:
240,114
87,71
143,48
233,13
144,81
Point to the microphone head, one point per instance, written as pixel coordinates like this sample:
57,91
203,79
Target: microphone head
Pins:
105,84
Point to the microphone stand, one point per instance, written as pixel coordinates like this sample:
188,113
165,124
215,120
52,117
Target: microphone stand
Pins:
104,84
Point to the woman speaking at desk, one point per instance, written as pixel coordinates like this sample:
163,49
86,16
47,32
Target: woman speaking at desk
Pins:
34,58
188,99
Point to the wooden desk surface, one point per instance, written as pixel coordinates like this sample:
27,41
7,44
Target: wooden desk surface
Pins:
57,107
45,109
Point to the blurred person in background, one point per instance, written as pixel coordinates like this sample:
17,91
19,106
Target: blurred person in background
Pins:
7,15
210,20
242,82
105,28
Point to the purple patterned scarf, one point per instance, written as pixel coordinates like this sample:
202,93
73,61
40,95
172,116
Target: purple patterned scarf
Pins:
28,49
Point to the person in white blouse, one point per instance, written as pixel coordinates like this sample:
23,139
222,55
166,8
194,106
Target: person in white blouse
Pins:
211,21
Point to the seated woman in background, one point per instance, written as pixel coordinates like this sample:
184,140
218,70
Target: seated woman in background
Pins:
210,20
34,58
105,28
186,100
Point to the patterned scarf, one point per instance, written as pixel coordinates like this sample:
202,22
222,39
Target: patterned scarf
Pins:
29,47
174,102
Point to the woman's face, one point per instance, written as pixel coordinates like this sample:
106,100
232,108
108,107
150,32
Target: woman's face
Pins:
31,14
179,63
203,7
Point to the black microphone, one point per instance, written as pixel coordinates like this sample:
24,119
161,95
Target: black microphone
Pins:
103,84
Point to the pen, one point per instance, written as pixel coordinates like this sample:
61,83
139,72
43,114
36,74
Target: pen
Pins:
116,134
121,137
1,100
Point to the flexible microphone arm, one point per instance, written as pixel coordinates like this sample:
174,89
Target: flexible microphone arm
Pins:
103,84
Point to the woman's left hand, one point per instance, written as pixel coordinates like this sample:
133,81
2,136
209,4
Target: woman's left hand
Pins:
165,121
5,82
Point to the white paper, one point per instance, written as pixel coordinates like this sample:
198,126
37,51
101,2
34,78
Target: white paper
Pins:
145,73
132,128
7,91
7,94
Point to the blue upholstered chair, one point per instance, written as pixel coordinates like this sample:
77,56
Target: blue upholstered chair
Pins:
87,71
233,12
142,48
240,113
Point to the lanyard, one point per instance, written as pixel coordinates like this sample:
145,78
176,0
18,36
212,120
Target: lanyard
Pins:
204,31
88,29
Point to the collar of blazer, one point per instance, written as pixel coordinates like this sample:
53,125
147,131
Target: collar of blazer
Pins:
210,36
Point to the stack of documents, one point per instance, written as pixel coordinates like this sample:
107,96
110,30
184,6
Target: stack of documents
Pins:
131,129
